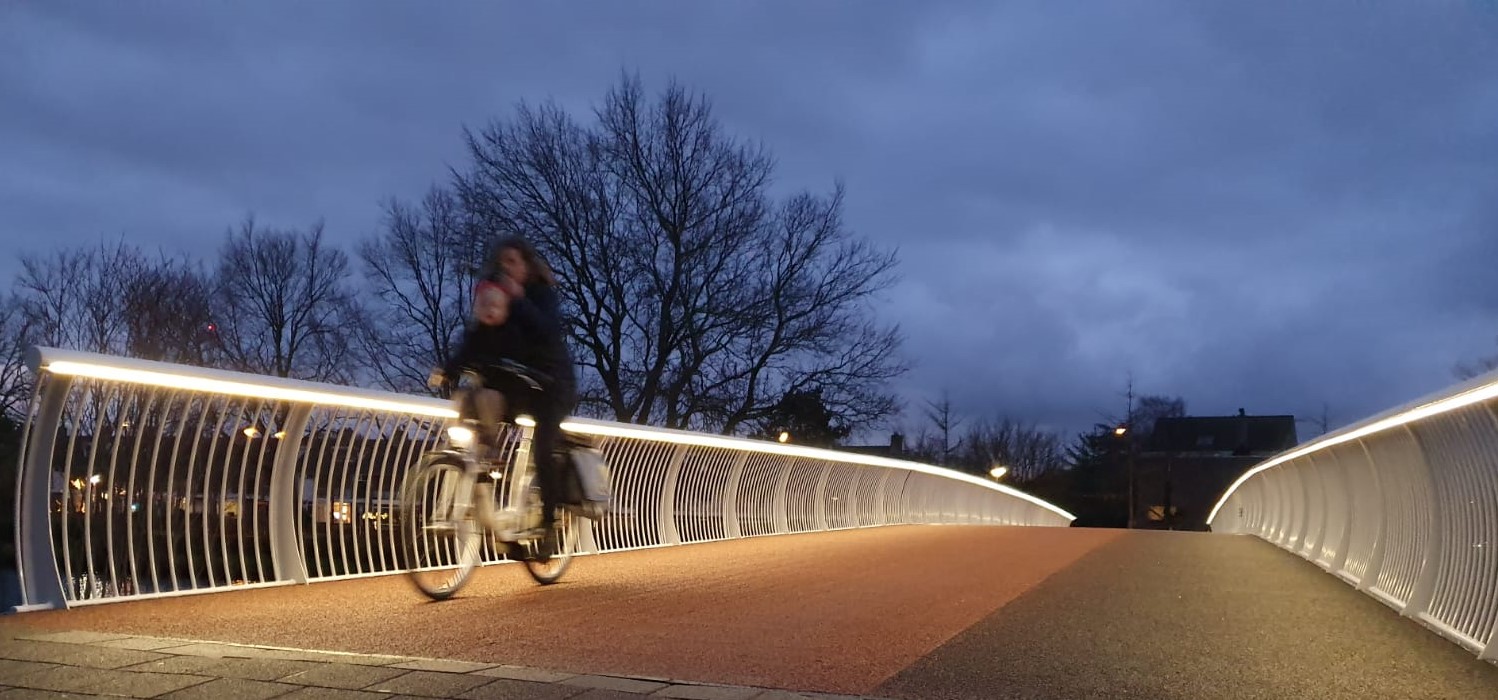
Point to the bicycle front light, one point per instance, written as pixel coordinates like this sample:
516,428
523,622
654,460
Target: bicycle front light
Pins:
460,436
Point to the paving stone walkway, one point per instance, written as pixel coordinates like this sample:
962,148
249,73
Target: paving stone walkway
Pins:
38,663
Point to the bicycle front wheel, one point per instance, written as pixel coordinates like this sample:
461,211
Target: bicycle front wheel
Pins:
442,540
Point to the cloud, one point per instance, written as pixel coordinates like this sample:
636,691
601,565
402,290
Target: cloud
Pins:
1266,207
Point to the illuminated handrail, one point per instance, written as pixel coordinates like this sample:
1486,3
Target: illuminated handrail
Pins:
143,479
1402,505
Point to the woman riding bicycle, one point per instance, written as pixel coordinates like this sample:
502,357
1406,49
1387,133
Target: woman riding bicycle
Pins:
528,329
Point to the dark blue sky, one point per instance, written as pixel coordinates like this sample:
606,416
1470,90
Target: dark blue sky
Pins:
1251,207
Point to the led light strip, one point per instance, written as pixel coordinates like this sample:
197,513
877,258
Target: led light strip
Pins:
234,388
680,437
145,372
1461,400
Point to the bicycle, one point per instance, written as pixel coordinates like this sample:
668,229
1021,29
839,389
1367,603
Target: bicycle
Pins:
447,506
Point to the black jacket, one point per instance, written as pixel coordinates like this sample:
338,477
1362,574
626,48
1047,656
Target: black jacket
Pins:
533,336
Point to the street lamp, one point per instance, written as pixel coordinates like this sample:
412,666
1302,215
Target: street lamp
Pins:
1122,433
784,436
998,471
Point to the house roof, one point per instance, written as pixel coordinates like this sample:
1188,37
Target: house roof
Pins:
1239,435
876,450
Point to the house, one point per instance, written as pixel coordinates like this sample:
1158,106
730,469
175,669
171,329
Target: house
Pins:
894,450
1187,463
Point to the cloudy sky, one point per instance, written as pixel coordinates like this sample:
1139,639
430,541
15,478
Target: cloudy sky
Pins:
1256,205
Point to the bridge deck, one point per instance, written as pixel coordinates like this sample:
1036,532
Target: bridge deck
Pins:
908,612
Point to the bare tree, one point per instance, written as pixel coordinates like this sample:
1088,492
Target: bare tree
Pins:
421,268
73,297
284,304
77,299
545,175
941,417
805,326
1028,451
169,314
1150,409
694,300
15,378
1322,422
1480,366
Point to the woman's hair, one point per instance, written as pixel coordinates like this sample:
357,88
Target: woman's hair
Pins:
539,271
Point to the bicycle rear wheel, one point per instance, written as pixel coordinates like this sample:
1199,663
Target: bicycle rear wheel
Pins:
442,546
550,571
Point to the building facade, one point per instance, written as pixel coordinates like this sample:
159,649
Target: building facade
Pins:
1187,463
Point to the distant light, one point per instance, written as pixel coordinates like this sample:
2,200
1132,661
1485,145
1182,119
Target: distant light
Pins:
784,436
1120,431
95,478
998,471
251,432
280,434
494,475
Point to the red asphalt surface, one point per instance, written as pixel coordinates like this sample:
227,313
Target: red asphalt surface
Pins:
833,612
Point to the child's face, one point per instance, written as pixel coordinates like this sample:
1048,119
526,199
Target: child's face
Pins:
492,307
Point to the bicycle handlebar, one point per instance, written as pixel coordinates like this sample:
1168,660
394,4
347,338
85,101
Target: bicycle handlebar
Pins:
532,377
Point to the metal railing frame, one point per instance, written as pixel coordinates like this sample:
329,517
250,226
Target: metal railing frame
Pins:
223,480
1403,506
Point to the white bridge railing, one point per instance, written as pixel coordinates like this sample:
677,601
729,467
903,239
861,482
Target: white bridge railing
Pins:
141,479
1403,506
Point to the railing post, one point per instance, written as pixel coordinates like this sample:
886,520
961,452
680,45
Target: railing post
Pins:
36,560
881,497
780,507
819,500
285,508
1285,514
1301,514
1435,545
586,541
1490,650
731,497
666,519
1381,531
1314,527
854,518
1350,519
902,510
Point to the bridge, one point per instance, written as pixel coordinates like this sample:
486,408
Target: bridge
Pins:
185,532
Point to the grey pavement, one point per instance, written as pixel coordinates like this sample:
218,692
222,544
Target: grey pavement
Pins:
1144,615
49,664
1194,615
